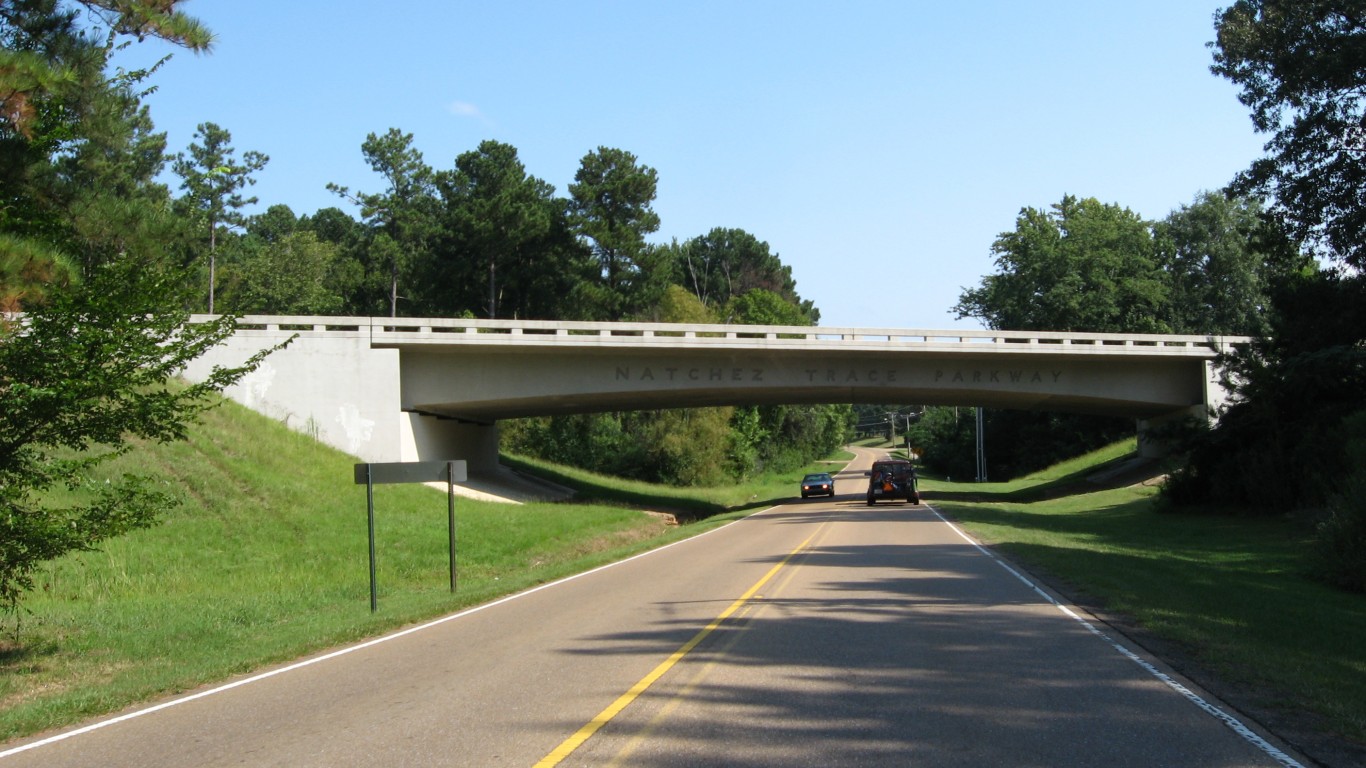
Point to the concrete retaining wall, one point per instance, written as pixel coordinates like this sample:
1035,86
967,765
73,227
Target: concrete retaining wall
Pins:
331,385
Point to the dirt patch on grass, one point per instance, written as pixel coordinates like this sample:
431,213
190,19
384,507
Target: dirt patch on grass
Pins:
668,518
626,537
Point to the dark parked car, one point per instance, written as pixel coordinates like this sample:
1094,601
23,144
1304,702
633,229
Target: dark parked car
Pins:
818,484
892,479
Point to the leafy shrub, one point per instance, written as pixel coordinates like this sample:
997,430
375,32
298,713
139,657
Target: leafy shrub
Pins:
698,446
1017,442
1342,536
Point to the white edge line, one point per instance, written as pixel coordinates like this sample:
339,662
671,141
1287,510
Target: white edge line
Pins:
353,648
1229,720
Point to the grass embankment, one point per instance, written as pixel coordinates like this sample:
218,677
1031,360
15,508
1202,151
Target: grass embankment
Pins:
1231,594
266,560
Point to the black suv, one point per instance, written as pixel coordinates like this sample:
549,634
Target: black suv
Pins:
892,479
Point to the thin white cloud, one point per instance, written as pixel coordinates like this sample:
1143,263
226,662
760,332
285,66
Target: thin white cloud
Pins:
465,109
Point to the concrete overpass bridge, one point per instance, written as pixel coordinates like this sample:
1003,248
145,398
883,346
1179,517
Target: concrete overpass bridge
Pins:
400,389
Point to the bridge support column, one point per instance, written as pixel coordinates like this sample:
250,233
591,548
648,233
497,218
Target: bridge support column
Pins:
429,438
1153,434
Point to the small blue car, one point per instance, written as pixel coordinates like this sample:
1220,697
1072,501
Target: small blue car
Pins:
818,484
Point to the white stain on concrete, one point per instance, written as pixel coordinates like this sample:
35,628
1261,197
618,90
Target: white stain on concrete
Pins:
256,385
357,428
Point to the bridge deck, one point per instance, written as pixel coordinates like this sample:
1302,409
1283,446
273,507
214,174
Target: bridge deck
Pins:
413,332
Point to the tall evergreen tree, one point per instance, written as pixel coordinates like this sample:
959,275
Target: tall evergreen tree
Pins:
610,207
78,155
505,230
403,215
212,181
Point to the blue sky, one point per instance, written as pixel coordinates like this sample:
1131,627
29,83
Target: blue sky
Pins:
879,148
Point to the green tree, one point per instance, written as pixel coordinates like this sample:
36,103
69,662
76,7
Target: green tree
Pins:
1297,414
282,267
609,207
404,212
277,222
331,224
358,292
43,53
725,264
1294,388
212,181
790,436
1302,70
681,306
290,275
28,271
78,156
764,307
947,437
509,226
89,367
1082,266
684,446
1219,256
82,378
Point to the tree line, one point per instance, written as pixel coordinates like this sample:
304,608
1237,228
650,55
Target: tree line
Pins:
483,238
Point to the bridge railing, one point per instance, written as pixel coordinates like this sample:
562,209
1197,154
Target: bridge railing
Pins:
394,332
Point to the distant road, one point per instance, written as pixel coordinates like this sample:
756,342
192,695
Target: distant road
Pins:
818,633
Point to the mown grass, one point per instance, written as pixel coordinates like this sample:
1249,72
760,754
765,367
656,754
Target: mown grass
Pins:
1232,593
266,560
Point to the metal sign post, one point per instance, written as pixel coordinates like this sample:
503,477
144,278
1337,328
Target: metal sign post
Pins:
981,448
450,511
370,518
409,472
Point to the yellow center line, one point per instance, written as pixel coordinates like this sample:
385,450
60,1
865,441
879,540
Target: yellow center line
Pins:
677,700
572,743
648,731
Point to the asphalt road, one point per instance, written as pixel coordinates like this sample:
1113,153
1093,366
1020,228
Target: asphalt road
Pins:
818,633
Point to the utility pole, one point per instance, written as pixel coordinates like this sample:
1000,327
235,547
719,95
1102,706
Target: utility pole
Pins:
981,450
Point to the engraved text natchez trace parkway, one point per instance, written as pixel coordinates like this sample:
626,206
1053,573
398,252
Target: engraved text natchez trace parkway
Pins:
830,375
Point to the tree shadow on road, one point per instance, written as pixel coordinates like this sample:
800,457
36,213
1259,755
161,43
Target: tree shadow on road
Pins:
937,658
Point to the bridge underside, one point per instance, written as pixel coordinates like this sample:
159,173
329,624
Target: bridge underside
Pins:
488,388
